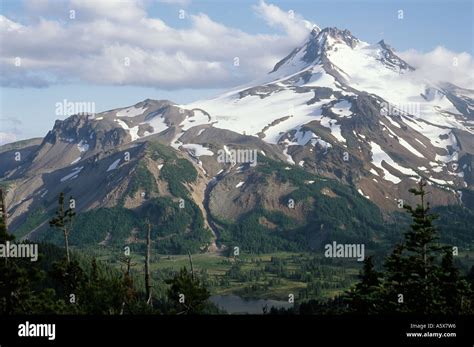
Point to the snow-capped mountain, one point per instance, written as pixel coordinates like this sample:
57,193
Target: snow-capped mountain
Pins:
338,92
336,106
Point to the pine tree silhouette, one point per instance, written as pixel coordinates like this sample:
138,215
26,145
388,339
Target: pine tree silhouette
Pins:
365,296
455,291
420,276
187,293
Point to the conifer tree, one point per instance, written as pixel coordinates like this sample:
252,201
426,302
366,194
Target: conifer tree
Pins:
422,247
420,276
419,290
455,291
187,293
395,279
365,297
15,289
63,221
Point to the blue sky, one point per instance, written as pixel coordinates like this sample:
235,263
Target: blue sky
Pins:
70,60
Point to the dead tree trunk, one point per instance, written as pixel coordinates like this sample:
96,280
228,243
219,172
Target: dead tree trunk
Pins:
127,279
3,215
3,209
191,262
63,221
147,266
66,244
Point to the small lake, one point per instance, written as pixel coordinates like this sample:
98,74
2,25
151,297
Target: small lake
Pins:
234,304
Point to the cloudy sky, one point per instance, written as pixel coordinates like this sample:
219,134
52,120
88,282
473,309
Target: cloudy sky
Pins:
116,53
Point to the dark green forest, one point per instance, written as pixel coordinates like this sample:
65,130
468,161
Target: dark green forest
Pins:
419,275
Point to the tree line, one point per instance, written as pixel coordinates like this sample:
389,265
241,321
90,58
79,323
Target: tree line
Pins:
418,276
62,282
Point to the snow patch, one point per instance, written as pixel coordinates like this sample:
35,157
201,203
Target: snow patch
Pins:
379,156
335,128
289,158
114,165
442,182
198,118
410,148
342,108
374,172
175,143
198,150
395,124
83,146
157,123
74,174
132,131
362,193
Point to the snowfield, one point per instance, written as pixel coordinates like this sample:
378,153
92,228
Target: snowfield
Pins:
197,150
198,118
132,131
342,108
157,123
334,127
251,115
379,156
315,87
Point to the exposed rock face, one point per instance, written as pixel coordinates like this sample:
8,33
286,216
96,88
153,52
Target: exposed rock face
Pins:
336,106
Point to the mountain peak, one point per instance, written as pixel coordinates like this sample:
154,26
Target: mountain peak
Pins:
340,35
318,42
317,45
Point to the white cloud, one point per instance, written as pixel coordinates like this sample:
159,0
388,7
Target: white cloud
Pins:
7,138
123,10
442,65
293,24
176,2
9,129
94,47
